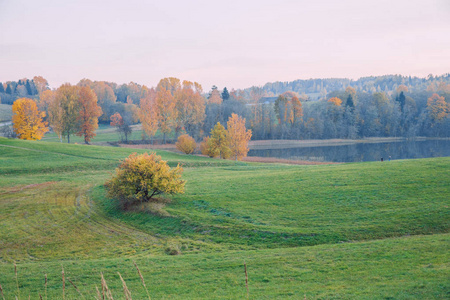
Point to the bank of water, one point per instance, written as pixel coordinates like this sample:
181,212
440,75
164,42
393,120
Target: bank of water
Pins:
358,152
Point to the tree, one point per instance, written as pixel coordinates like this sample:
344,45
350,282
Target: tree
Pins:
190,107
238,136
67,105
122,127
89,113
140,178
218,142
186,144
165,104
225,94
40,83
335,100
438,109
27,120
214,96
148,113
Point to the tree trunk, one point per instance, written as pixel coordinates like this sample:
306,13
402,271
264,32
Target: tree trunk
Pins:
68,138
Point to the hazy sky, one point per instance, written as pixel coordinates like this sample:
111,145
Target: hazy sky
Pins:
227,43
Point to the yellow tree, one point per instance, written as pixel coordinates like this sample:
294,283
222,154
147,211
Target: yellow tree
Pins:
67,109
40,83
217,143
237,136
336,101
438,109
215,96
148,113
165,106
27,120
88,115
190,106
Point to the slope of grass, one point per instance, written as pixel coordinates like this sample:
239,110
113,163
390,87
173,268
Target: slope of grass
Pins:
53,211
399,268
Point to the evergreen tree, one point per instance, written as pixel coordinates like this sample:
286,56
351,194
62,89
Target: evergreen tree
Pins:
225,94
2,90
8,89
349,102
28,86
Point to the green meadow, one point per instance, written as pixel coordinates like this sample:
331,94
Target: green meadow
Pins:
361,230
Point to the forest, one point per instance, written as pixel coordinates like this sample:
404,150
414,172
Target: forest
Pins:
382,106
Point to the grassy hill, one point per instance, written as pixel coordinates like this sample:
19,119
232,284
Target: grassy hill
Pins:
302,230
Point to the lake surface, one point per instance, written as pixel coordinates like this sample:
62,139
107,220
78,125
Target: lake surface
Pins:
361,151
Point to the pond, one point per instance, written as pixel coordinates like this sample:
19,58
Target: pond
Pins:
361,151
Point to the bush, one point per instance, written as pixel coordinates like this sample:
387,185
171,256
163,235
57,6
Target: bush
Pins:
140,178
186,144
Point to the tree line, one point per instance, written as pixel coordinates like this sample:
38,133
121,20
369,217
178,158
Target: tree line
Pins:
175,107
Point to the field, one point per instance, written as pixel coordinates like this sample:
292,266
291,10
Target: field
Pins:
361,230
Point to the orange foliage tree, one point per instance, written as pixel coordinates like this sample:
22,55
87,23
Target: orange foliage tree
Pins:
27,120
141,177
437,107
165,105
66,108
237,136
336,101
190,106
88,114
186,144
148,113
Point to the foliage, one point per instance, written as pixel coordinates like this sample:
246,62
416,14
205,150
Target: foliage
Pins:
27,120
122,127
139,178
148,113
335,100
218,143
66,110
89,113
165,106
437,107
186,144
238,137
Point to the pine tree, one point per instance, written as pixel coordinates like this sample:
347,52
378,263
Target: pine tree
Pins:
225,94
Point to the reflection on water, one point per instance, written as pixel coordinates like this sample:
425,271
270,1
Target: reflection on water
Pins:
362,152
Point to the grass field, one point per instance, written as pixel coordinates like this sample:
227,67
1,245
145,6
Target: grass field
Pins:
362,230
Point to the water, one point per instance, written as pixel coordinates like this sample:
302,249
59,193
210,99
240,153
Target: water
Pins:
362,151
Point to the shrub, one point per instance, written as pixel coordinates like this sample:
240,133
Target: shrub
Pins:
186,144
140,178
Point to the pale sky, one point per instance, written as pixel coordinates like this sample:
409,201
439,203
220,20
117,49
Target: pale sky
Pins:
233,43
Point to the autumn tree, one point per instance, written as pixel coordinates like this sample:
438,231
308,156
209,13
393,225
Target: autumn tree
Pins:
88,115
27,120
186,144
66,109
148,113
237,136
40,83
140,178
122,127
218,142
214,96
437,108
190,107
335,100
165,106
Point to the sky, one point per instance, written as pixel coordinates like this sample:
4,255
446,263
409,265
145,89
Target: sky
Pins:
230,43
